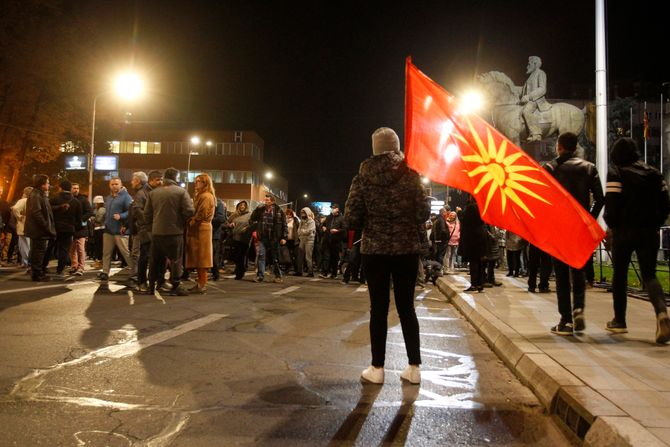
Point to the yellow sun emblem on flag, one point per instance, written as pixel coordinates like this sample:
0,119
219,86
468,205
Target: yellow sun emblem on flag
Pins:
497,169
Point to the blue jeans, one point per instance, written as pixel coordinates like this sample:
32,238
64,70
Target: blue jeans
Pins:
269,248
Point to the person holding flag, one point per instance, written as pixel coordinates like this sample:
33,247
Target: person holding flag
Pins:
580,178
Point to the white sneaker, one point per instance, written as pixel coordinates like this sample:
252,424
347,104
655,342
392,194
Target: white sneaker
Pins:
373,374
412,374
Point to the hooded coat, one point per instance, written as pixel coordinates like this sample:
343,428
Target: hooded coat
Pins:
307,227
388,203
240,223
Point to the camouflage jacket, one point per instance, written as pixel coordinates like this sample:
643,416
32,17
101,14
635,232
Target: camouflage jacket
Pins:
387,201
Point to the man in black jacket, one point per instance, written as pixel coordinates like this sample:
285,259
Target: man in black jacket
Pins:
40,226
217,232
580,178
636,205
78,249
67,219
269,223
334,231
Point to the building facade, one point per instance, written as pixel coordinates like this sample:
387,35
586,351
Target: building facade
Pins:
233,159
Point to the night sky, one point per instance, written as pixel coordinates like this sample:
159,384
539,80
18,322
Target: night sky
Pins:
315,79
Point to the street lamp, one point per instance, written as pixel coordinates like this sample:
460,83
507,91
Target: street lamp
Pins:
127,86
195,141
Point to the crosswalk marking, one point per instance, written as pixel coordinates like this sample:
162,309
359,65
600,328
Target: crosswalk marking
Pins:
47,286
286,290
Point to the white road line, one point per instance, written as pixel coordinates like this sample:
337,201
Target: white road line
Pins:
362,289
423,294
48,286
286,290
315,280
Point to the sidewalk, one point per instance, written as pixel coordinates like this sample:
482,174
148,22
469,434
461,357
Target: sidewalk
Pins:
610,390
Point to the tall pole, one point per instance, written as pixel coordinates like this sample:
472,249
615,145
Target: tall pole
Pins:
92,154
645,125
188,167
601,95
662,110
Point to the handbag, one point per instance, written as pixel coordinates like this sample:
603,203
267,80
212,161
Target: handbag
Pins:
284,255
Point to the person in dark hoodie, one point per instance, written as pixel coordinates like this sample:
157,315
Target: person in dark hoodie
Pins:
67,219
117,204
39,226
388,203
634,185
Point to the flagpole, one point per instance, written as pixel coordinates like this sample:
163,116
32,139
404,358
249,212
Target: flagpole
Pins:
601,95
631,123
661,150
644,130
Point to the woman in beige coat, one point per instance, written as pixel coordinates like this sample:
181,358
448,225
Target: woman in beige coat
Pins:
199,252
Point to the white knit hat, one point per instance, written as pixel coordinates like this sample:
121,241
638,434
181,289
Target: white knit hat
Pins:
384,140
98,199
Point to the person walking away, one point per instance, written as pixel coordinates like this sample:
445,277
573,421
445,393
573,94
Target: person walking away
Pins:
306,237
81,234
19,211
492,256
199,250
239,222
98,229
67,218
217,238
117,205
513,247
388,203
334,233
269,222
441,236
580,178
40,226
634,185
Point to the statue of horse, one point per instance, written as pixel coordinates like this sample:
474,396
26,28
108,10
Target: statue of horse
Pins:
506,110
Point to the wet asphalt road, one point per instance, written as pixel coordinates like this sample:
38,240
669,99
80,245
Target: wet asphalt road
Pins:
246,364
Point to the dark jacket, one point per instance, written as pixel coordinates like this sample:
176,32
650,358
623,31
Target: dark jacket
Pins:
388,203
335,223
580,178
67,212
39,217
279,228
637,197
118,204
86,213
136,220
440,234
167,210
219,219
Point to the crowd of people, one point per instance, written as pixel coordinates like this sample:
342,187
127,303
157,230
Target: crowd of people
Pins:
386,237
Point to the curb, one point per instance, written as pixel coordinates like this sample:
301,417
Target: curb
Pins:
584,412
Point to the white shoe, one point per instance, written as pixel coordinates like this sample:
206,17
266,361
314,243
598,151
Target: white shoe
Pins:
373,374
412,374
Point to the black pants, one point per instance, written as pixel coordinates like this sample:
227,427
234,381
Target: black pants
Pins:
38,251
568,278
538,260
441,251
644,242
166,249
513,262
143,261
334,248
379,270
589,272
60,248
490,274
476,272
240,250
354,268
216,252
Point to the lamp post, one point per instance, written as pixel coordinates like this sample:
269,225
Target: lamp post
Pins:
195,141
128,86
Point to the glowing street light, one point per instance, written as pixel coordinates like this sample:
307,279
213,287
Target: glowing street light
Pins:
269,175
127,86
471,102
209,143
195,140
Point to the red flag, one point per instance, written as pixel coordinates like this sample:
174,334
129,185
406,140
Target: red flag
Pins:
513,192
646,125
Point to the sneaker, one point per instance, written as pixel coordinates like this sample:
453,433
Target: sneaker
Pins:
73,271
563,328
278,279
323,276
79,272
411,374
373,374
578,319
165,288
258,279
419,286
531,289
616,327
488,285
41,278
497,284
103,276
662,328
